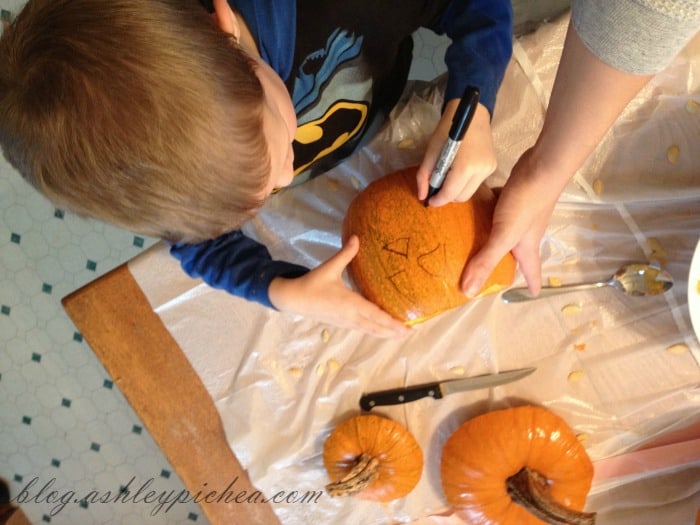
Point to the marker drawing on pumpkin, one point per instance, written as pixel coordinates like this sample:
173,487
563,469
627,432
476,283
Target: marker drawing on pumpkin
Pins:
411,257
399,246
432,262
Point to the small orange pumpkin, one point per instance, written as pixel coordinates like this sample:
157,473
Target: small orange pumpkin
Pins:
373,458
411,257
519,466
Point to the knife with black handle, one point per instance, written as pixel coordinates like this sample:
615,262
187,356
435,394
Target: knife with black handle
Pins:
439,389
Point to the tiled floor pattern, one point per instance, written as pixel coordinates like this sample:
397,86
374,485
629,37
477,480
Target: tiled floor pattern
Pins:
71,449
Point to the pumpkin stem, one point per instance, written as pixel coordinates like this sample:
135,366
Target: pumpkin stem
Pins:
530,489
362,474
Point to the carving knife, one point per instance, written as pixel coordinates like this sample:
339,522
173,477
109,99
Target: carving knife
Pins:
440,389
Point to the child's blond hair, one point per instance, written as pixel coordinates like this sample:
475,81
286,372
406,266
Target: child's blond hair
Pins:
140,113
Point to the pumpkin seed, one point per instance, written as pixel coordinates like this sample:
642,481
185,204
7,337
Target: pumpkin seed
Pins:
673,154
692,106
320,369
580,346
575,376
571,309
406,144
295,371
333,365
655,245
554,282
457,370
325,335
677,349
657,251
598,187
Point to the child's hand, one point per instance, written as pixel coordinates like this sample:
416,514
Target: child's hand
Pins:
475,160
322,295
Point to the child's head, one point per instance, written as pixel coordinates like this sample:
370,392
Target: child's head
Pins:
143,114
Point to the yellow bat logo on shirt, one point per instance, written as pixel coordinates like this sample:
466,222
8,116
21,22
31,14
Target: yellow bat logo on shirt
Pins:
320,137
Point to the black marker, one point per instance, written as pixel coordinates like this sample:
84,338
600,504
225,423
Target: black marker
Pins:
460,123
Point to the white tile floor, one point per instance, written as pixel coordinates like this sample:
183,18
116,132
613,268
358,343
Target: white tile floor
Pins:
64,425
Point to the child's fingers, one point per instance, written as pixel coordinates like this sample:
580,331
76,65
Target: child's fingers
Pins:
424,172
356,312
375,321
336,264
454,185
359,313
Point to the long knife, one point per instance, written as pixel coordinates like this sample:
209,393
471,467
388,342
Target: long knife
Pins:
440,389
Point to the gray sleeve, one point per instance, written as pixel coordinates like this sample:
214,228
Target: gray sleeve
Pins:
636,36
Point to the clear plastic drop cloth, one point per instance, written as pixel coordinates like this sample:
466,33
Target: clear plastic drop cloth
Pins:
622,371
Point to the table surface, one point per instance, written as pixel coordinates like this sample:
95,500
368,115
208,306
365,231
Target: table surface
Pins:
135,348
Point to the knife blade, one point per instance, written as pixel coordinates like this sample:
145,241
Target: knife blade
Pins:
440,389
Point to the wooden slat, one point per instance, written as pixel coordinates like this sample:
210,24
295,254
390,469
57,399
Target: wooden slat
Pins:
151,370
12,516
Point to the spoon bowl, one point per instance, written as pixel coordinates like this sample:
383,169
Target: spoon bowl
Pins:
637,279
643,279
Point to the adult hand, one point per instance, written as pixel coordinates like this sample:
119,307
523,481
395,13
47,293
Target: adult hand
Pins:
321,294
523,210
571,131
475,160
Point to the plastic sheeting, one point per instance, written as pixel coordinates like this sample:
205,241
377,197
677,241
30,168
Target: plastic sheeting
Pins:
281,383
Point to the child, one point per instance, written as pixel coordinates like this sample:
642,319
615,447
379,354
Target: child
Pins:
174,122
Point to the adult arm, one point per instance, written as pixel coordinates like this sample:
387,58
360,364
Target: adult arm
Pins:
587,97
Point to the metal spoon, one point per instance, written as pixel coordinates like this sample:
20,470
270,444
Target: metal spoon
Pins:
634,279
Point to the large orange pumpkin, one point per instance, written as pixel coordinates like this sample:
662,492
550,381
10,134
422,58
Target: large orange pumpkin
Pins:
411,257
373,458
518,466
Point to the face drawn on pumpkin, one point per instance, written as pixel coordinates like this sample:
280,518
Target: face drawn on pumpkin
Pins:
402,258
411,257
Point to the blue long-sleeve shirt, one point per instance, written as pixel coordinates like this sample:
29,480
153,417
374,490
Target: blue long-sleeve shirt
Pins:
345,65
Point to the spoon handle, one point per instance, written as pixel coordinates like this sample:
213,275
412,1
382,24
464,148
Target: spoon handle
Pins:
518,295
